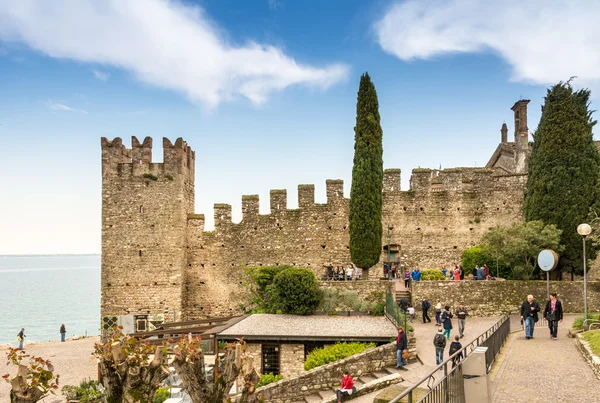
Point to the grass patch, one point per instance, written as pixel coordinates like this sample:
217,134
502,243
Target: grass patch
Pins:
593,337
578,324
335,352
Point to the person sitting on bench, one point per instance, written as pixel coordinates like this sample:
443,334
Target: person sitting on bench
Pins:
347,387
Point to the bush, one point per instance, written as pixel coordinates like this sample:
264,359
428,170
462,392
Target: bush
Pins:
578,324
86,392
335,352
266,379
432,274
161,395
295,291
476,256
378,309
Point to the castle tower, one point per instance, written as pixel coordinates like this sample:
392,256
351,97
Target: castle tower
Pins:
144,217
521,135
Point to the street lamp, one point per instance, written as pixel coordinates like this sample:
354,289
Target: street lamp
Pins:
584,230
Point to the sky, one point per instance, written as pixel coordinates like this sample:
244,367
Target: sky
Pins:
264,91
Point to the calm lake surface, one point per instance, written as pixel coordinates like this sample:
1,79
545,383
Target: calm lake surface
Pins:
41,292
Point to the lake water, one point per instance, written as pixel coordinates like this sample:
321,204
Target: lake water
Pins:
41,292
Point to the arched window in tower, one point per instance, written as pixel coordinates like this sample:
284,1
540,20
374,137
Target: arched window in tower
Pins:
142,209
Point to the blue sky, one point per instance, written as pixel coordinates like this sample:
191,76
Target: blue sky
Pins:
263,90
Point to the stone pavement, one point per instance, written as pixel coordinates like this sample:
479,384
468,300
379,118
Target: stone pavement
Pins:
543,370
424,334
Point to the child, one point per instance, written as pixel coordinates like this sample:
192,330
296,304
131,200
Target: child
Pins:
411,313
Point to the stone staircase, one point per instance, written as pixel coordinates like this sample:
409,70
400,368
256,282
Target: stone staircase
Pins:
403,293
364,384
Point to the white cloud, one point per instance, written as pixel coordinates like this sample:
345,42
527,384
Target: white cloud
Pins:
275,4
543,41
62,107
168,44
101,75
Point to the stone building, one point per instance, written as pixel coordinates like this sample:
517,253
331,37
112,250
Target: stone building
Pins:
158,259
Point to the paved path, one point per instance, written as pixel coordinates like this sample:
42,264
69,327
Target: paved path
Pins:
543,370
426,351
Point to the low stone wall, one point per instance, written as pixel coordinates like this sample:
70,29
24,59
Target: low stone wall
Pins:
364,288
592,359
328,376
491,298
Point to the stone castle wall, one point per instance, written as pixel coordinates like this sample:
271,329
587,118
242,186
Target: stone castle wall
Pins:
156,254
490,298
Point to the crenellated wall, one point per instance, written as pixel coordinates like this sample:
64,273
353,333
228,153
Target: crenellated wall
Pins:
199,273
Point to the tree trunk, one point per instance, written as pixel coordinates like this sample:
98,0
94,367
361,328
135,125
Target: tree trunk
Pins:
20,391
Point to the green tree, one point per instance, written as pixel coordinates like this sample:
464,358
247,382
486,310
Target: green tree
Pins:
475,256
367,179
519,244
564,170
295,291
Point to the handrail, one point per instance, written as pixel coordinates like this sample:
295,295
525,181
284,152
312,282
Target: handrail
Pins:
472,345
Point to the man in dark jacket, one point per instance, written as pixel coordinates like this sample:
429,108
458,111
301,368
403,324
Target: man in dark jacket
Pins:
553,313
529,313
454,347
401,345
425,305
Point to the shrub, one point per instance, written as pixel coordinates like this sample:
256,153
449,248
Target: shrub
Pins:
578,324
86,392
295,291
161,395
378,309
335,352
476,256
432,274
266,379
151,177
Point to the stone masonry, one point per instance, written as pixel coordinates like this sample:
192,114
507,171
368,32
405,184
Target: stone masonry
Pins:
157,257
492,298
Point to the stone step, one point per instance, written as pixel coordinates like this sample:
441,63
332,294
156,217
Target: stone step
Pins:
325,394
379,374
314,398
367,378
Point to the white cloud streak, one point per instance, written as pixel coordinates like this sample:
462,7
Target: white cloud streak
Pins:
101,75
167,44
543,41
62,107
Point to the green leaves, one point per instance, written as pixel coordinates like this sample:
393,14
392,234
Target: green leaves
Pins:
266,379
564,170
367,179
519,244
335,352
295,291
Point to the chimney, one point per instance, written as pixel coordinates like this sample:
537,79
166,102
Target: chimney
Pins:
504,133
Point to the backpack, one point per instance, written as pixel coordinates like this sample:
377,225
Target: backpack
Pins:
439,340
454,347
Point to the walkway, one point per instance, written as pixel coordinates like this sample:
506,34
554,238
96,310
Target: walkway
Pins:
426,351
543,370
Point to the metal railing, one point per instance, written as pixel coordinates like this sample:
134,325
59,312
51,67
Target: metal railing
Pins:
392,311
450,388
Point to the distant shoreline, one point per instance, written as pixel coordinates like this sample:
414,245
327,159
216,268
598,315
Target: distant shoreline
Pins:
53,255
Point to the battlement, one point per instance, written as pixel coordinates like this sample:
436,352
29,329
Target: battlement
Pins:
178,158
425,180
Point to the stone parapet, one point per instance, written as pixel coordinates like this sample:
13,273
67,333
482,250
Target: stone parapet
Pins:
492,298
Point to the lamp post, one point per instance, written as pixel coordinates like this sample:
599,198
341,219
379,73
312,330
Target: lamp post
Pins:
584,230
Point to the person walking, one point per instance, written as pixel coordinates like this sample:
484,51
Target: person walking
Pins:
454,347
461,316
439,342
438,314
425,305
529,313
553,314
401,346
21,338
63,332
447,321
406,279
411,313
347,387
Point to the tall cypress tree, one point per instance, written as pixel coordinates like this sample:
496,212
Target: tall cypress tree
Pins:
367,179
564,170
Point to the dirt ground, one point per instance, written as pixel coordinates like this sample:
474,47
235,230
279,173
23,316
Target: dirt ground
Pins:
72,361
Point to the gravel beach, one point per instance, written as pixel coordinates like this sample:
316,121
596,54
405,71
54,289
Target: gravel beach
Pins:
72,361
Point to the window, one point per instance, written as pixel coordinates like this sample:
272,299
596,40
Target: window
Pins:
270,358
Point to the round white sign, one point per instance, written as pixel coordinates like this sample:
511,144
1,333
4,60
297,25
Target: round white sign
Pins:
547,260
